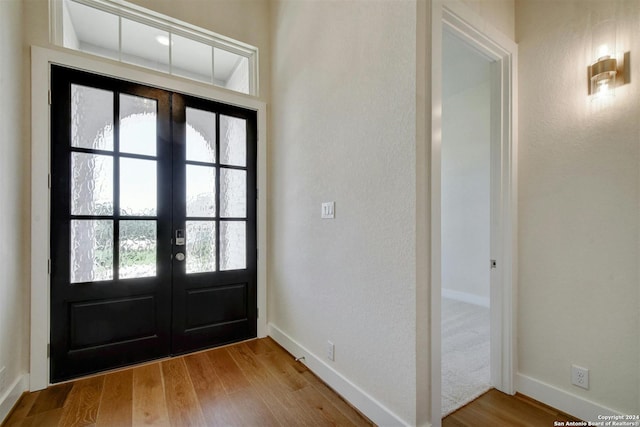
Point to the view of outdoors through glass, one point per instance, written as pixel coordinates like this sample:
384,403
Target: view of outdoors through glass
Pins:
92,185
216,223
201,198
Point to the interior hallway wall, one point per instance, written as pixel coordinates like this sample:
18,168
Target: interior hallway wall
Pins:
14,278
343,129
500,14
578,204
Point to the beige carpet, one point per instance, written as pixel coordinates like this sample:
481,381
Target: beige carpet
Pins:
465,353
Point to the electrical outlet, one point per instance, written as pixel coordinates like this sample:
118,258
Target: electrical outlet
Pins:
580,376
331,351
3,375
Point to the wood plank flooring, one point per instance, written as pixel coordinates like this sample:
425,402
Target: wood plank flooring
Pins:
498,409
255,383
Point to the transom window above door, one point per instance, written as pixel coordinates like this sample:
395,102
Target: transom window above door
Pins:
128,33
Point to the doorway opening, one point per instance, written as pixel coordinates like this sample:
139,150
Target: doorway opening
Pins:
153,223
466,221
453,22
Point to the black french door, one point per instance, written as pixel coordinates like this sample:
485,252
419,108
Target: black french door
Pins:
153,223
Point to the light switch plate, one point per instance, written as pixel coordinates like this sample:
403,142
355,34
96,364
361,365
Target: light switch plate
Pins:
328,210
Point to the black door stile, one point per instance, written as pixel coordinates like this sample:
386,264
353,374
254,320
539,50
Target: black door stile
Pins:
103,324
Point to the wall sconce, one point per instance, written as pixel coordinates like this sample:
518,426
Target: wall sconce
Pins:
609,69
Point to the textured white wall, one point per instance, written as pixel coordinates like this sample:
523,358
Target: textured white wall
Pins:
578,205
343,129
466,150
499,13
13,278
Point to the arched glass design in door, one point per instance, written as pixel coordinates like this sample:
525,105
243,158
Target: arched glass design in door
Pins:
153,219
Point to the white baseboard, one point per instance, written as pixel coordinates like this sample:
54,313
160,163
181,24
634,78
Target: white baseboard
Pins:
11,396
465,297
366,404
563,400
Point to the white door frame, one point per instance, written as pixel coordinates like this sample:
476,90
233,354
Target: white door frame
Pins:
41,59
460,20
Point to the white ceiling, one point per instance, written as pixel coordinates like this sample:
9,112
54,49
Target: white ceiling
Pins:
97,32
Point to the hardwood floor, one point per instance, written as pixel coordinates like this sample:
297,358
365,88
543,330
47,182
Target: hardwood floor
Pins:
498,409
255,383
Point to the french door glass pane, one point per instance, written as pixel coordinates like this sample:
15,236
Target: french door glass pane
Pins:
138,187
233,245
91,184
91,250
138,125
91,118
201,135
233,193
201,246
137,249
201,184
233,141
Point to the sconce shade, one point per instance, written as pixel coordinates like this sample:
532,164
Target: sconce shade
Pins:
604,68
607,73
602,76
